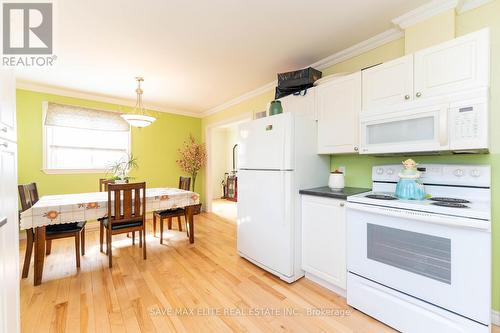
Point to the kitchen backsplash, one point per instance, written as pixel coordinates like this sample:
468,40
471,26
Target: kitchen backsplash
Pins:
359,167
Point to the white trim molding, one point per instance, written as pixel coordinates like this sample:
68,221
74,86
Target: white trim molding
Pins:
32,86
72,171
495,317
209,146
355,50
434,8
360,48
265,88
467,5
424,12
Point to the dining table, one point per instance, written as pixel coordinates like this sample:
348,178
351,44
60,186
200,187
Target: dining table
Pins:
68,208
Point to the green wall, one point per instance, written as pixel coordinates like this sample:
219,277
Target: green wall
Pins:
155,147
358,167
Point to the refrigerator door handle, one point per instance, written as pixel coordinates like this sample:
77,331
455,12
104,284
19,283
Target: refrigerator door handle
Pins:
3,221
283,203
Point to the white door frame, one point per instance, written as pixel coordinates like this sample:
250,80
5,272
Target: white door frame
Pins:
208,141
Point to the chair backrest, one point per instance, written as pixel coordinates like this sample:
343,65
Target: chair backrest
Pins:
126,202
104,182
28,195
184,183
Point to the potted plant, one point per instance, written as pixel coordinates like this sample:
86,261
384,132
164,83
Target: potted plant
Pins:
193,158
121,169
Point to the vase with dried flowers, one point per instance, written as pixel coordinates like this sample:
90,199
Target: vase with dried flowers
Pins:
193,157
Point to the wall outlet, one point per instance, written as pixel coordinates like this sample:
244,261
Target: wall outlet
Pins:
341,169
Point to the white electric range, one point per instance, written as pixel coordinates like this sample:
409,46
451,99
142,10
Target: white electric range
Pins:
423,265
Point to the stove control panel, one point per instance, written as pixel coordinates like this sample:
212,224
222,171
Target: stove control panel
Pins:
475,173
439,174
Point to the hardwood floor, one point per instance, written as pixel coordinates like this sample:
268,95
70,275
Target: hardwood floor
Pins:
225,209
181,287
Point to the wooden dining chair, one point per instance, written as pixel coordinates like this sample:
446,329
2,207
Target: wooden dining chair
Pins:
28,195
103,187
169,214
103,184
126,213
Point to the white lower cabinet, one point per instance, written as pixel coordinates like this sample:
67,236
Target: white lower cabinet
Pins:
324,241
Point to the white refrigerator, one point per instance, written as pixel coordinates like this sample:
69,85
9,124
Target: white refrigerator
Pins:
276,158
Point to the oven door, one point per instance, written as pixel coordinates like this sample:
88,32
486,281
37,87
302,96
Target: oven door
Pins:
420,129
441,260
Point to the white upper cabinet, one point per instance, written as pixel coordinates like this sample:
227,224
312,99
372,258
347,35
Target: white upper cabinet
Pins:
338,103
459,64
7,105
454,66
388,84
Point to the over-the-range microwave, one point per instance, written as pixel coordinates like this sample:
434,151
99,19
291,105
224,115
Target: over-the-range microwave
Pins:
453,123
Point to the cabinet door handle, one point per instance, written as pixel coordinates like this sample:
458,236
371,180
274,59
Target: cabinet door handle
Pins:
5,144
407,97
4,129
419,94
356,148
342,204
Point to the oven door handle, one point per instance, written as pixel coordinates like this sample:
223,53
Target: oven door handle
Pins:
453,221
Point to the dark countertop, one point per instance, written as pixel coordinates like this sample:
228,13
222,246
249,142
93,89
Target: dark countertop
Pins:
325,191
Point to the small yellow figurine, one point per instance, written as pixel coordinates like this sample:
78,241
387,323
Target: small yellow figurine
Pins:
410,170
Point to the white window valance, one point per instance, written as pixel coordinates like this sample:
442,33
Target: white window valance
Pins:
80,117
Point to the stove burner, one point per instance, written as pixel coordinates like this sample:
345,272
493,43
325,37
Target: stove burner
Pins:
450,204
381,197
451,200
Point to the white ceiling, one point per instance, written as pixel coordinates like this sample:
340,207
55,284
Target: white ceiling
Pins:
197,54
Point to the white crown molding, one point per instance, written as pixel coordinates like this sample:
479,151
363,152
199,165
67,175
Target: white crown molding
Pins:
360,48
402,22
424,12
355,50
239,99
467,5
32,86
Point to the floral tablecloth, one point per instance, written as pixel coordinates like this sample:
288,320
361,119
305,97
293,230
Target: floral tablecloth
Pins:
66,208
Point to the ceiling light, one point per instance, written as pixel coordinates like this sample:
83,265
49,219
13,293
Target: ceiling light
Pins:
138,117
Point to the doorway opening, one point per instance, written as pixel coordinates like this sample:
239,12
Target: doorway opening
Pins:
222,168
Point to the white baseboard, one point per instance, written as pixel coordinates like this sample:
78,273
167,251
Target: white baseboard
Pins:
326,284
495,317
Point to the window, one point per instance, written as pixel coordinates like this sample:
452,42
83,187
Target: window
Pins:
78,139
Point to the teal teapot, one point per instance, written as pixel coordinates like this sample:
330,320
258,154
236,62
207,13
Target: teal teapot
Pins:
410,187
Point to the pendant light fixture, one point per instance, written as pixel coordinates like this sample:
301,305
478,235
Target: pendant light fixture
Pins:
138,117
